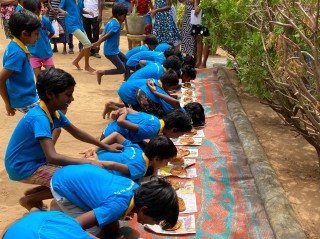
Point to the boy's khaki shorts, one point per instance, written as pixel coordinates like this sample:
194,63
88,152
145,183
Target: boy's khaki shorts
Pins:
82,37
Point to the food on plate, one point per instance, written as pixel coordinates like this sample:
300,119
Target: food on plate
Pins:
192,132
182,205
187,84
177,161
186,140
187,100
178,171
188,92
175,227
183,152
174,183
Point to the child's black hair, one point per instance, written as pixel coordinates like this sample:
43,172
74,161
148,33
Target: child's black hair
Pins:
173,51
119,9
172,62
179,120
160,146
160,200
151,40
53,80
33,6
23,20
189,71
170,78
189,60
196,113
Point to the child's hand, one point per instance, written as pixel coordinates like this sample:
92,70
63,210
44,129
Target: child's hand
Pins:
10,111
91,14
64,13
117,148
122,111
151,86
90,152
95,45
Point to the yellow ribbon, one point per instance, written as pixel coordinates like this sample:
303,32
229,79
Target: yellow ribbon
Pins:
115,19
22,46
161,127
131,206
44,107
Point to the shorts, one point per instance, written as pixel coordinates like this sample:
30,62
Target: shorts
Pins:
42,176
199,30
27,108
71,209
82,37
39,62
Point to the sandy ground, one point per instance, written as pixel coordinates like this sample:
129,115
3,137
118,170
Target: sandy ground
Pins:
293,159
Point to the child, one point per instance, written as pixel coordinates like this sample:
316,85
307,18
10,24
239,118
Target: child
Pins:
154,100
98,199
72,11
17,87
188,73
133,162
128,90
155,70
189,60
138,126
150,43
31,156
46,225
110,37
41,52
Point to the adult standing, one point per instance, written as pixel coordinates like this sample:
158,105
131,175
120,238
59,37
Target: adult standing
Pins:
188,42
91,24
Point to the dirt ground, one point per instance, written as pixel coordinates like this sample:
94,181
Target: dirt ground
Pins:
293,159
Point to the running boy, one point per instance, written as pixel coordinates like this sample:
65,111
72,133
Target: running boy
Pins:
133,162
72,10
79,192
138,126
17,87
110,37
31,156
41,52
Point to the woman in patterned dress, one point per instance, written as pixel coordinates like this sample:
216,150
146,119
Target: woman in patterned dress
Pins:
188,42
164,27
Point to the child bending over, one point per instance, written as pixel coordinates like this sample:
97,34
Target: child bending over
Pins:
98,206
138,126
31,156
133,162
17,87
110,36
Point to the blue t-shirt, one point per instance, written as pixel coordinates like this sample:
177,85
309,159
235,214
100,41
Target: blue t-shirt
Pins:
148,127
20,85
46,225
162,47
151,70
93,188
164,105
24,153
42,48
136,50
127,91
73,19
19,8
132,156
111,45
155,56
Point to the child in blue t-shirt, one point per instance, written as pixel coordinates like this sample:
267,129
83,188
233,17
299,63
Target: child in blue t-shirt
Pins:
98,199
138,126
150,43
73,10
110,37
46,225
17,87
31,156
133,162
155,70
41,52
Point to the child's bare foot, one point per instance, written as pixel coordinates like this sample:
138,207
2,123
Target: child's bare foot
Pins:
99,76
90,69
108,108
76,64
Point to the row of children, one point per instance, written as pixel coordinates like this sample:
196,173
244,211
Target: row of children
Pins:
31,156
